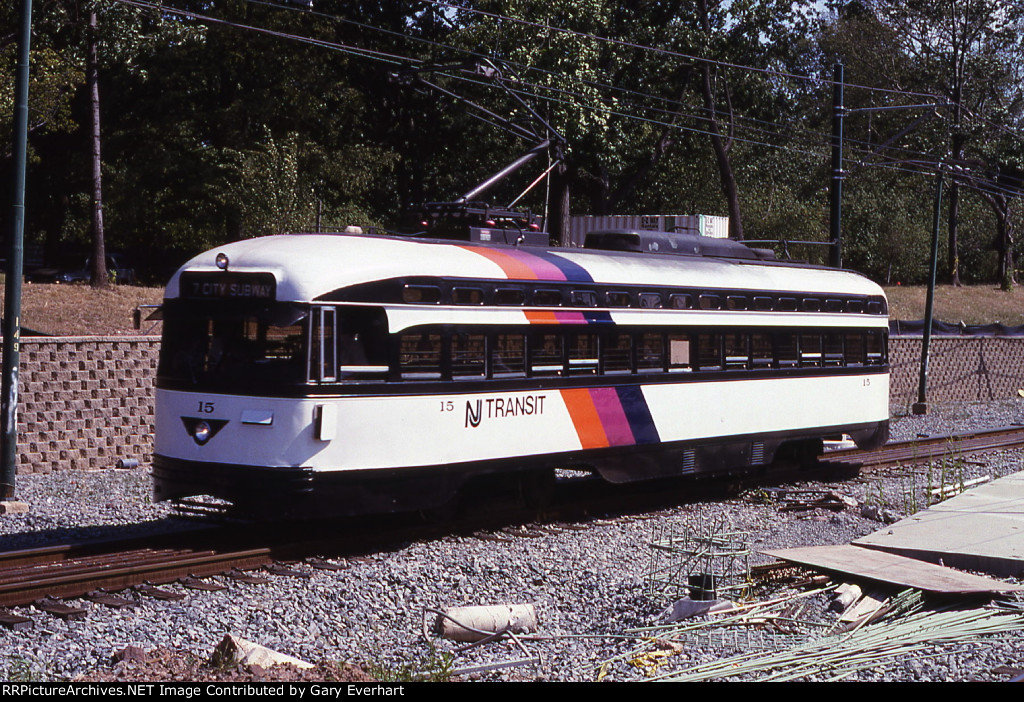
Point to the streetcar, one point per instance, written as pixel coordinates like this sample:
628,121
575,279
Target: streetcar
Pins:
345,374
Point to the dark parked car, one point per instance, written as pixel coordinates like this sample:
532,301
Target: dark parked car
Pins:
78,272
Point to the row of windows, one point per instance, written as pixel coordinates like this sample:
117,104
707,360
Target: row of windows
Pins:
467,355
548,295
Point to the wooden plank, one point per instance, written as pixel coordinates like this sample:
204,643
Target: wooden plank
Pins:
888,568
865,608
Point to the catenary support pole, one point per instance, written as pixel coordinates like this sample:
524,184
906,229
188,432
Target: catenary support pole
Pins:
12,286
921,406
836,185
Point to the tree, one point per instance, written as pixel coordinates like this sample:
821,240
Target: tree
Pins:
960,50
52,81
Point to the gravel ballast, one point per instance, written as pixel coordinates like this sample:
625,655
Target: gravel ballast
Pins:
588,584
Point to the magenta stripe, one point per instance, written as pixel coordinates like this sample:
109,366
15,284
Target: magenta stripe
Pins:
541,268
613,417
566,317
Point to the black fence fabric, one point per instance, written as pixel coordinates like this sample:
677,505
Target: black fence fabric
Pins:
916,328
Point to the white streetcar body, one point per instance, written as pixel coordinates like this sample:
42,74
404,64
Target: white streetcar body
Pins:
349,374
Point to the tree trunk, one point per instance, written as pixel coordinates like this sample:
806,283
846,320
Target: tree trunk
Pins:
99,252
721,148
558,206
725,174
1003,243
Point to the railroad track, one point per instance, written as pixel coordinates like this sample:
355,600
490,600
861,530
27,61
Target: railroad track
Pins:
94,570
930,448
248,553
22,583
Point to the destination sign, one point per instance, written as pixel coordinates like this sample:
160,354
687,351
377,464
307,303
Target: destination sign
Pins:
227,285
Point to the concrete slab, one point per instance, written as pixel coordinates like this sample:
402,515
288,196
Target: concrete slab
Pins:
871,564
13,507
982,529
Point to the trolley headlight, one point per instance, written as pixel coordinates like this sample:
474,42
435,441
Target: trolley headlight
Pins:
222,261
202,432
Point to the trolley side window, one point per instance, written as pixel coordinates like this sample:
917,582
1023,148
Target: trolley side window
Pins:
508,356
419,356
582,354
787,350
737,353
832,349
761,351
810,350
856,352
362,343
876,348
650,354
546,355
469,355
679,353
617,354
709,351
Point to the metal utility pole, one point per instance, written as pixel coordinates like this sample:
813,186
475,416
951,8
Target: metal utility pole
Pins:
836,186
12,285
921,406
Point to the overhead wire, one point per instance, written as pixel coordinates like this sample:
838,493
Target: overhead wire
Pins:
775,130
818,139
535,86
590,83
398,59
667,52
506,61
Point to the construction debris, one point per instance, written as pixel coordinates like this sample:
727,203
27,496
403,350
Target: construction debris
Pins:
879,514
864,611
838,656
946,491
480,622
790,500
701,565
878,566
687,608
234,650
844,596
758,626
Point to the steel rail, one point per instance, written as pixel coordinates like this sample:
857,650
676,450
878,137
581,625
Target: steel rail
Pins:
930,448
25,584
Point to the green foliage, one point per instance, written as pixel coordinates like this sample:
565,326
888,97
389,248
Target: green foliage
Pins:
19,670
435,666
269,190
213,132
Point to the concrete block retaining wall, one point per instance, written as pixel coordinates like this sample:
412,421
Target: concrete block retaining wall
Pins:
85,402
88,401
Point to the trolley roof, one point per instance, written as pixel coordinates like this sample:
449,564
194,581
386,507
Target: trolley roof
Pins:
309,266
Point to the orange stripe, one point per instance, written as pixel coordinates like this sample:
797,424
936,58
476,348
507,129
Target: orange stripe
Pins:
541,316
514,269
585,418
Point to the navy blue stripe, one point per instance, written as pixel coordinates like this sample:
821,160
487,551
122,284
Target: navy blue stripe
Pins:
576,273
573,272
638,414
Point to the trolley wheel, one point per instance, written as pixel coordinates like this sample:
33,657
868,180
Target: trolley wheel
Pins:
537,488
443,513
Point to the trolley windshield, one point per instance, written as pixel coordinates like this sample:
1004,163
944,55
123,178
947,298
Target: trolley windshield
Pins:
213,344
